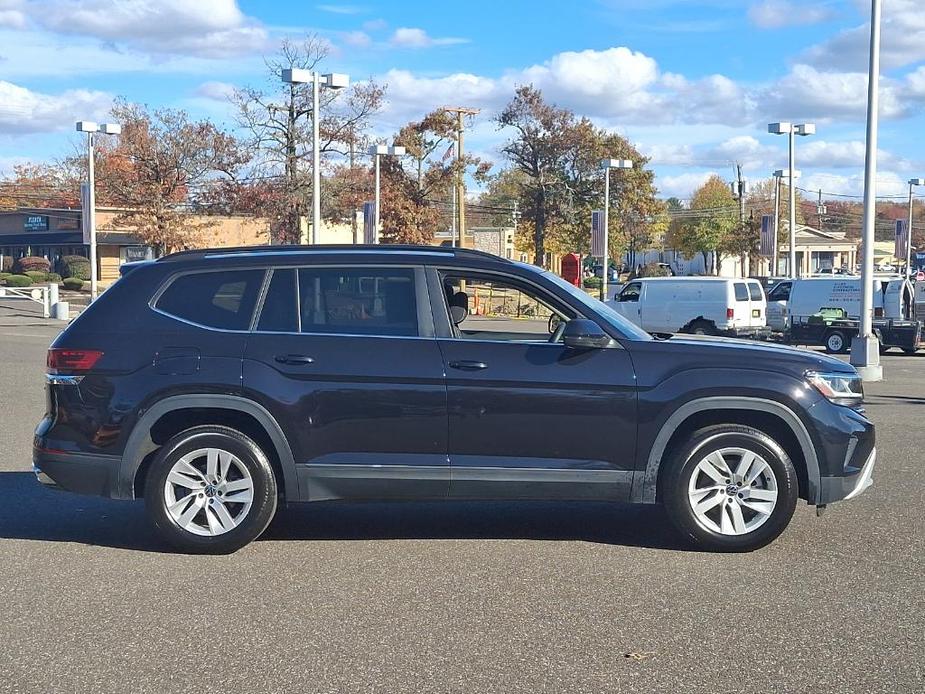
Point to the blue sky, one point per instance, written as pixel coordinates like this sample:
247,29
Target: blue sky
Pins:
693,84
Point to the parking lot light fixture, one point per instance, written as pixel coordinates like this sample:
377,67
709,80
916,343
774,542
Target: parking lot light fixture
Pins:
607,165
792,130
333,80
92,128
377,151
913,182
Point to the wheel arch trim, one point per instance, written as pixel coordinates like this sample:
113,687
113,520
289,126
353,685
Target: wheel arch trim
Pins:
140,444
645,482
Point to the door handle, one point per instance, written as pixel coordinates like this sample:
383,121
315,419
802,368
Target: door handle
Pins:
294,359
468,365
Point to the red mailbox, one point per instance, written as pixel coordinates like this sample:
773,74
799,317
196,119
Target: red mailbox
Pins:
571,268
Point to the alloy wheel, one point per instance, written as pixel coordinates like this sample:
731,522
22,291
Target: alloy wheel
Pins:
732,491
208,492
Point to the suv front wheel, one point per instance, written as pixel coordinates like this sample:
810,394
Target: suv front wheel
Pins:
731,488
210,490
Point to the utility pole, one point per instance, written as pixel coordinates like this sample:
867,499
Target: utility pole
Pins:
820,209
744,260
461,112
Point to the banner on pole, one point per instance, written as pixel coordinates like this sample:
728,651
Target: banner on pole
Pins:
902,239
767,236
85,212
597,234
369,223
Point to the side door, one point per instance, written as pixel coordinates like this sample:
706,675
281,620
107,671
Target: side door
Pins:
528,417
345,359
628,303
778,299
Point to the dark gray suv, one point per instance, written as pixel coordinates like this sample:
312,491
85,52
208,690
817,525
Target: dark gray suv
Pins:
219,384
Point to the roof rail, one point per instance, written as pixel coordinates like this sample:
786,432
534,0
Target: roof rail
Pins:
327,248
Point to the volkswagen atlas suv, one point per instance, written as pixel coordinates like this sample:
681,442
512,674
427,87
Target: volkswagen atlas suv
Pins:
219,384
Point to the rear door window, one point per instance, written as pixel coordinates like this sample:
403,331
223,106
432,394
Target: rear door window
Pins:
754,290
741,292
358,301
223,300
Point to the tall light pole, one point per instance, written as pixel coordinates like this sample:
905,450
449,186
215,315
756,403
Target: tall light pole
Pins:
332,80
377,151
792,130
779,175
865,348
91,129
607,165
912,183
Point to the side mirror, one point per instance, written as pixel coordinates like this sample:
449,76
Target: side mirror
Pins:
581,333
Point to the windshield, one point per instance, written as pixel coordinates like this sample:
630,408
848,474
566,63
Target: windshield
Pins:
597,308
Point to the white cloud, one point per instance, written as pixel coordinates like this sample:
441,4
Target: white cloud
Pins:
340,9
24,111
902,39
409,37
357,39
775,14
206,28
889,183
810,93
12,15
216,91
683,185
375,25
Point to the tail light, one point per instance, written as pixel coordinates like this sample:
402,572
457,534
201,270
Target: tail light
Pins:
730,313
71,360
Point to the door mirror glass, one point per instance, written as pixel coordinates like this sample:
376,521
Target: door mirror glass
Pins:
581,333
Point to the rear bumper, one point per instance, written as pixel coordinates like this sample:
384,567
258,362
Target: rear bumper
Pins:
849,486
77,472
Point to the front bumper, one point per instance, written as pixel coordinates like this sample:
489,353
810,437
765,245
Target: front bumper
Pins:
851,485
77,472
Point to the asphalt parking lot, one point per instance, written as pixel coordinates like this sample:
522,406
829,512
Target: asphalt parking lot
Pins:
458,597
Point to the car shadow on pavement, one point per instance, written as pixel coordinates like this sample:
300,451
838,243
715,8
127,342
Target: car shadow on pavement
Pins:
599,522
29,511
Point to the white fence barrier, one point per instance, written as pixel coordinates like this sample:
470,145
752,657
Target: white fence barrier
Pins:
39,295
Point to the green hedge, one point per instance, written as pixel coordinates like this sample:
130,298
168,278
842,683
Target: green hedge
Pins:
73,283
18,281
75,266
593,282
36,275
31,263
4,275
53,277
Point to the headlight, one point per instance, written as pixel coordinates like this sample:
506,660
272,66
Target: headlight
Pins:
840,388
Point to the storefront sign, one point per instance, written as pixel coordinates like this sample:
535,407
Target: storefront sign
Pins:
35,222
133,253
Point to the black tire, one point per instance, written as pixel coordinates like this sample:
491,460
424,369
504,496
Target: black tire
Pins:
836,342
683,463
909,350
262,506
701,327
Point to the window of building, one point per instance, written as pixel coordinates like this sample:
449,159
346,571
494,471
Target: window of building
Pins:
223,300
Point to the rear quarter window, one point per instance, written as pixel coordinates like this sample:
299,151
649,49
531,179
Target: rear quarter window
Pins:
223,300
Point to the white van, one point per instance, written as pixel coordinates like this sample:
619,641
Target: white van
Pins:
699,305
800,298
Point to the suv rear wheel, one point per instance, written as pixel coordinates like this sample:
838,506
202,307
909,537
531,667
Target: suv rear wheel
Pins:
210,490
731,488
